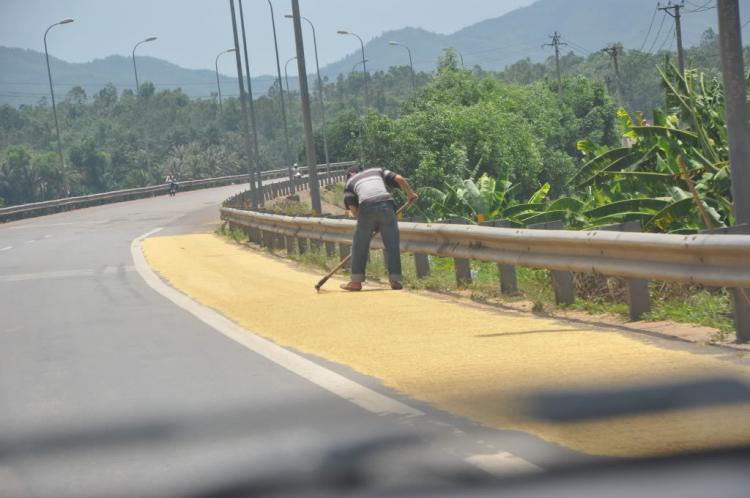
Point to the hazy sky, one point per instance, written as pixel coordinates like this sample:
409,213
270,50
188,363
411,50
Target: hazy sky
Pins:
192,32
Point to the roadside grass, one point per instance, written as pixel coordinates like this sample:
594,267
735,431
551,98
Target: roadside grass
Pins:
595,294
291,207
335,195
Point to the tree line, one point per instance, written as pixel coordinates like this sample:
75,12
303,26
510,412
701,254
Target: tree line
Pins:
117,140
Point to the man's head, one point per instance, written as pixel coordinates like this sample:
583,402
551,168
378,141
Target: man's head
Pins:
354,170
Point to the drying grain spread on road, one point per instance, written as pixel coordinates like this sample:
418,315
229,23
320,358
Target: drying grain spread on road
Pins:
469,361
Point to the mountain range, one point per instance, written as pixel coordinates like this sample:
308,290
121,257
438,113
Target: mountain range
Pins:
585,26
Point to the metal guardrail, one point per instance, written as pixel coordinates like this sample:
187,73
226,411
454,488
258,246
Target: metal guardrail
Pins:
710,260
70,203
326,176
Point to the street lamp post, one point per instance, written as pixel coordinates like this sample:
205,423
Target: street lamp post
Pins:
49,73
218,84
459,54
258,168
288,93
411,64
138,90
283,110
359,120
364,62
320,92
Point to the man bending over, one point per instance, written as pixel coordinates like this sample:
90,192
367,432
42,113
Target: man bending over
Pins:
367,197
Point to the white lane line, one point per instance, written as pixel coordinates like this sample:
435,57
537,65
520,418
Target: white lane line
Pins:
331,381
48,236
29,241
502,464
110,270
59,224
6,248
499,464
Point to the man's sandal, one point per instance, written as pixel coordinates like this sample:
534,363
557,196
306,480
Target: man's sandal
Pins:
396,286
348,287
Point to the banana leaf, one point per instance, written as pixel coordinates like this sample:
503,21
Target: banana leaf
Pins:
620,218
567,204
630,162
520,208
688,137
670,214
599,162
630,205
546,217
540,194
470,196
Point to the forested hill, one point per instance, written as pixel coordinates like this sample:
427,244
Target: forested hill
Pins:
589,25
23,77
586,25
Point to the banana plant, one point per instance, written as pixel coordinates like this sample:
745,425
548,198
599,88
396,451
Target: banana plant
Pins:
645,182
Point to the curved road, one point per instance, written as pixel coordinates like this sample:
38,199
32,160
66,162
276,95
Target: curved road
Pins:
108,388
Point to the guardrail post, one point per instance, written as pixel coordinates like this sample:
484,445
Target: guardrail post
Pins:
508,279
639,297
289,244
739,310
462,266
330,246
421,261
344,251
562,280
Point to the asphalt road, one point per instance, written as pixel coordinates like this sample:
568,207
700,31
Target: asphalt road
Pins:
109,389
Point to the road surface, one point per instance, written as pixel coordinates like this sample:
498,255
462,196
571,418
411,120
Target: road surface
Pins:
108,388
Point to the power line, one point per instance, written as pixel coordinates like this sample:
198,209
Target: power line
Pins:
507,56
575,45
508,46
663,20
701,8
667,38
656,11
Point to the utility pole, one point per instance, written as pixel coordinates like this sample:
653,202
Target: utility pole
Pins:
312,167
258,171
738,138
613,50
556,43
245,124
676,15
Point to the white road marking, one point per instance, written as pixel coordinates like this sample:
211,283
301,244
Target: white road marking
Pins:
29,241
109,270
48,236
59,224
499,464
503,464
6,248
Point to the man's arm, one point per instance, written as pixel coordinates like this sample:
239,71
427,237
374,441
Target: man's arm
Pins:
410,194
354,211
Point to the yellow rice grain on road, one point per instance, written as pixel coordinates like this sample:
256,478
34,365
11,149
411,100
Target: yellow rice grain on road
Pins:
468,361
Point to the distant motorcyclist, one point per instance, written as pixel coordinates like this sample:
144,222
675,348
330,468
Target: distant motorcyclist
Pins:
172,184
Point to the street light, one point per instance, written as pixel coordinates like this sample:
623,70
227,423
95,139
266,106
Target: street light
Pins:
364,60
411,65
359,123
135,69
320,92
253,123
459,54
283,110
49,73
138,90
216,63
286,76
